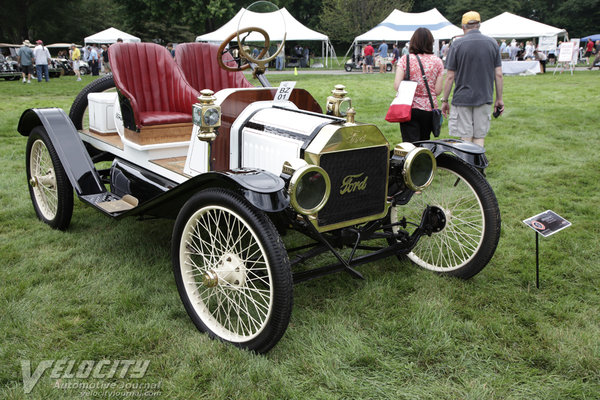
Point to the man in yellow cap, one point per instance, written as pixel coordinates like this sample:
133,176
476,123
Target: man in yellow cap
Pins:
474,64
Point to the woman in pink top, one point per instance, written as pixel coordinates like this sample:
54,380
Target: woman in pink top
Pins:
421,45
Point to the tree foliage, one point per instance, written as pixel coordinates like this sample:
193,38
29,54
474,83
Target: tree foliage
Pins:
177,21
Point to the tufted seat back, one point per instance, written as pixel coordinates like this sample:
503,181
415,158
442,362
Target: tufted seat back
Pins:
148,77
198,62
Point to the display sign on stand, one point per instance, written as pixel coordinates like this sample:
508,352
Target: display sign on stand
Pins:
568,54
545,224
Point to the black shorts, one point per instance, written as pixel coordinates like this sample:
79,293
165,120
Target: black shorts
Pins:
369,60
27,69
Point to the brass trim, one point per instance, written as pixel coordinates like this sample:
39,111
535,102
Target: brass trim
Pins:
334,138
357,221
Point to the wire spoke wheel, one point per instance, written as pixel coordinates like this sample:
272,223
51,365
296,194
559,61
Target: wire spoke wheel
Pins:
49,187
232,271
43,179
469,233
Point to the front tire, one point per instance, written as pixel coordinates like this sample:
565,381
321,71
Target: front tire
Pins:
49,187
232,270
469,237
348,67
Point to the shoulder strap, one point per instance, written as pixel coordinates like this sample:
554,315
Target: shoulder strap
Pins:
426,84
407,73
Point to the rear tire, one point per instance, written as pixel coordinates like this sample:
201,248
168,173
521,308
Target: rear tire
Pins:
49,187
471,232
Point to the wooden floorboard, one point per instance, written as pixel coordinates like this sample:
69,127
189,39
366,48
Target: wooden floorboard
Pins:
174,164
111,138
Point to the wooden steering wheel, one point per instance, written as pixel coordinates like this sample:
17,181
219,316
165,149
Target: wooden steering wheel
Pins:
261,62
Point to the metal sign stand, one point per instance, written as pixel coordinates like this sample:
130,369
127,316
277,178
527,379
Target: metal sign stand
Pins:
537,260
545,224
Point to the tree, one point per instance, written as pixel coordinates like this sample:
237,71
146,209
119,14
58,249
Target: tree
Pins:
343,20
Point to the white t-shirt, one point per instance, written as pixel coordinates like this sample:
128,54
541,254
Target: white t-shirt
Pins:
41,55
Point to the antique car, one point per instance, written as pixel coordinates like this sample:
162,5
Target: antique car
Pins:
237,166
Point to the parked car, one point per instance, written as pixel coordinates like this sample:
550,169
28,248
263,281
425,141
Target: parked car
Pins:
9,67
238,166
352,65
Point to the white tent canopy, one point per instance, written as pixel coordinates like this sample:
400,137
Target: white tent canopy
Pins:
111,35
276,24
399,26
511,26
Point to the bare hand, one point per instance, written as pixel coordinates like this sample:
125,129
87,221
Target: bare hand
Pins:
445,109
499,105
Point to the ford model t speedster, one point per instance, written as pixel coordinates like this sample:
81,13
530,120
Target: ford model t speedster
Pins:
236,166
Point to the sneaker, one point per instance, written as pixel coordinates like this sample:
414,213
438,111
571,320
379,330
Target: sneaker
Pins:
27,82
78,79
23,80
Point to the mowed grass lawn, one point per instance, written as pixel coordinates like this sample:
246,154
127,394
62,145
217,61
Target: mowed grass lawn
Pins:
104,289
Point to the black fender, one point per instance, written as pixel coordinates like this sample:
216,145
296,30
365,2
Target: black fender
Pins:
68,145
469,152
264,190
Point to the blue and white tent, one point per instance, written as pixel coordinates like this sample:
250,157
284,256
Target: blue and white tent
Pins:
399,26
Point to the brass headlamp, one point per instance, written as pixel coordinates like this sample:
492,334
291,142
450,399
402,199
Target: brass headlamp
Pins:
338,103
309,186
418,165
206,115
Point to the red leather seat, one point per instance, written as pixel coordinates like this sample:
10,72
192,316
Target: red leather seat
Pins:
198,62
148,77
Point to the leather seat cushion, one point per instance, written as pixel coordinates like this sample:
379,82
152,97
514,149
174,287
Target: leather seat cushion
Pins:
147,75
164,117
198,61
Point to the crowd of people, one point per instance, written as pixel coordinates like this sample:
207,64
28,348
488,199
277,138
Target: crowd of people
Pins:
96,57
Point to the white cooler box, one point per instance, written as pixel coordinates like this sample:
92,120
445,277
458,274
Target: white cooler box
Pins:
101,107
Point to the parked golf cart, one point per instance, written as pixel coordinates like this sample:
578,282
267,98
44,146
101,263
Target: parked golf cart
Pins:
238,166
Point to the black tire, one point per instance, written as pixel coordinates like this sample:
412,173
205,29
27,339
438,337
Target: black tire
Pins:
348,67
388,67
469,238
83,71
81,101
49,187
238,280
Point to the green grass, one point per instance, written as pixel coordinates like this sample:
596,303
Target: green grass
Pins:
104,289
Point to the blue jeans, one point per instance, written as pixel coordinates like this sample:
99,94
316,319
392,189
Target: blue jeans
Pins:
42,68
279,63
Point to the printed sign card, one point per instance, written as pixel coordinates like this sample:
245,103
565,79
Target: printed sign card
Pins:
547,223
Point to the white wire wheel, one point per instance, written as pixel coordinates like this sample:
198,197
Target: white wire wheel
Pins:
467,239
49,187
232,270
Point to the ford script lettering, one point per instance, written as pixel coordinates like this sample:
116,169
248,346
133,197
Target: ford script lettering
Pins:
352,183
